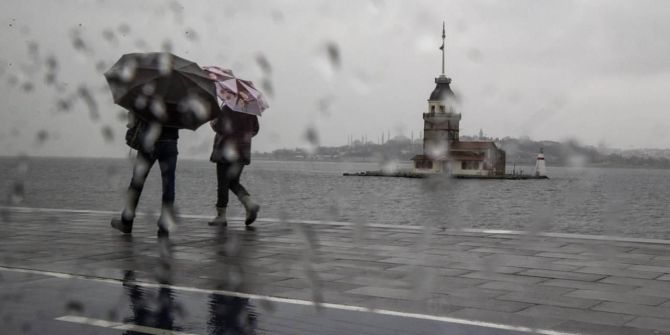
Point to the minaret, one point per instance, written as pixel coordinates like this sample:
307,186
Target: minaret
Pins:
441,122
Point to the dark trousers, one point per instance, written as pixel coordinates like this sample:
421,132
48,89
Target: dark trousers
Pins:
165,152
228,178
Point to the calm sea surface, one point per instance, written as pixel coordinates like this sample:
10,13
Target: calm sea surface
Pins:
623,202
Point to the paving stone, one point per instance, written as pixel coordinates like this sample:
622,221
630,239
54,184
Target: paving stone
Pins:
647,283
657,269
486,267
510,251
619,272
577,314
542,299
574,284
633,309
592,263
617,296
532,262
480,303
503,277
651,323
561,275
407,269
564,255
520,287
383,292
651,292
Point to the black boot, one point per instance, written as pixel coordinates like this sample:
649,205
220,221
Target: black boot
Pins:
122,225
252,209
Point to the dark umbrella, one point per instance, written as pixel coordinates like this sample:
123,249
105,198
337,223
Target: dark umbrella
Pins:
164,88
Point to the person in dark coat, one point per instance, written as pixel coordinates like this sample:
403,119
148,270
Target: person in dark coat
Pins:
154,143
231,152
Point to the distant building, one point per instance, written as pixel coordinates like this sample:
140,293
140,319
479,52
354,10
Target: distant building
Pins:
443,152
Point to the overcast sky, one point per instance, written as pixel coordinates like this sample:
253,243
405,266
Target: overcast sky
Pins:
594,71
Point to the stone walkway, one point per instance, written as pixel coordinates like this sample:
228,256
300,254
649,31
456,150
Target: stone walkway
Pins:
566,283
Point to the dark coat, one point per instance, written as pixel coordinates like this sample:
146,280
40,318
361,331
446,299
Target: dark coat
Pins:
232,143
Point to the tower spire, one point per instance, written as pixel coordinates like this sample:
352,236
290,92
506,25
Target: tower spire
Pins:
442,47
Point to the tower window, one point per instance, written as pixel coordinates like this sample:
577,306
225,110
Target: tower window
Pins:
432,109
442,109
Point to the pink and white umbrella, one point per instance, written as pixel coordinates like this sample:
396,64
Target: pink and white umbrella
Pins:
238,94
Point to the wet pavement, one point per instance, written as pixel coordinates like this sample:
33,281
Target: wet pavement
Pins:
66,271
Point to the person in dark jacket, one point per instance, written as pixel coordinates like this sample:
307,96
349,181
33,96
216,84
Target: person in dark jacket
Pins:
157,143
231,152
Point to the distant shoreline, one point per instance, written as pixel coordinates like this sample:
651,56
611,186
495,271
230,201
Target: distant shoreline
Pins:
404,162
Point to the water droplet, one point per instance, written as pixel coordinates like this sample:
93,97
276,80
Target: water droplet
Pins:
149,89
108,35
128,69
264,64
166,46
78,43
165,64
124,29
334,56
18,193
141,102
151,136
157,109
108,133
42,136
312,137
33,49
101,66
267,86
196,106
191,35
230,152
85,94
27,87
436,149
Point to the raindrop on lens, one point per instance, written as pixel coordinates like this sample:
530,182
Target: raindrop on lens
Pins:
230,152
141,102
42,136
150,138
157,109
18,193
148,89
195,105
165,63
107,133
333,54
128,70
264,64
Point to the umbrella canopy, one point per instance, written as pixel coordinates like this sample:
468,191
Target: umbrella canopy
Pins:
164,88
238,94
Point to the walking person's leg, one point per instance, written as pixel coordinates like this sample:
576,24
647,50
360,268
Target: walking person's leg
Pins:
222,187
242,194
168,165
141,168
